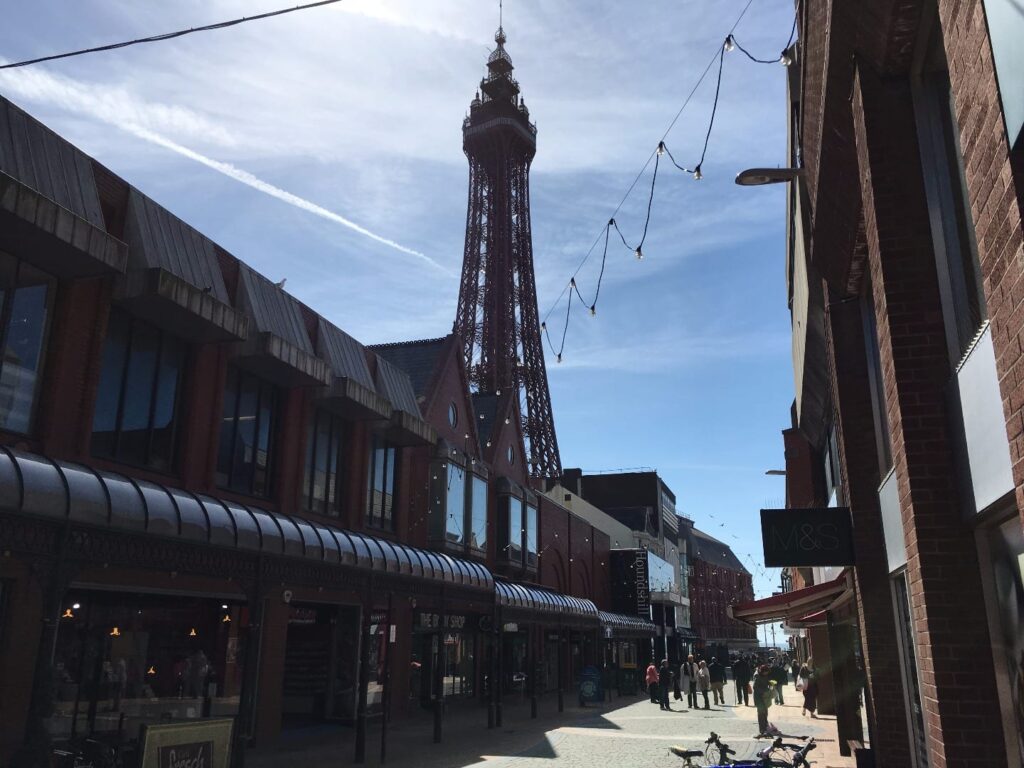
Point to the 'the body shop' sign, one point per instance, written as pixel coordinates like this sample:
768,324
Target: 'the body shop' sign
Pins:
807,537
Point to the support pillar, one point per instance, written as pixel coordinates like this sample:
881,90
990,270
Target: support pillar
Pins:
531,665
364,679
439,664
499,633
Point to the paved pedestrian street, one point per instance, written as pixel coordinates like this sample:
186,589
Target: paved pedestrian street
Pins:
623,733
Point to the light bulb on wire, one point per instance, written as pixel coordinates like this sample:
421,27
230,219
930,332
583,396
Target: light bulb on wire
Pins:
593,310
697,175
785,59
730,45
639,254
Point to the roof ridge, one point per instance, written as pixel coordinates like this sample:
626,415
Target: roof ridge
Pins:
409,343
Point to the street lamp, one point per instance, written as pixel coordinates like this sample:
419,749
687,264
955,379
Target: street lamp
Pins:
756,177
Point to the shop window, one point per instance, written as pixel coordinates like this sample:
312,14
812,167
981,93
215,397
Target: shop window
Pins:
381,483
455,505
908,652
952,225
869,321
478,514
26,297
530,537
1004,553
123,660
136,414
514,540
246,434
321,478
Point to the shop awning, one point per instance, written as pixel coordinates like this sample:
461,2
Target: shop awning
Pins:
543,603
622,625
62,491
797,604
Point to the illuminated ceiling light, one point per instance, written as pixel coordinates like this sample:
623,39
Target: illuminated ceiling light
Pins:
115,632
151,671
192,632
76,606
67,614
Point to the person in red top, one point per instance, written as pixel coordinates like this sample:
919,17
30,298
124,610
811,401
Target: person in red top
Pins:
652,682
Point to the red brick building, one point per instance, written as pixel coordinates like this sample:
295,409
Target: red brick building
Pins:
717,579
216,503
906,281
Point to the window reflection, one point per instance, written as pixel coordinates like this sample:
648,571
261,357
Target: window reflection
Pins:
381,483
244,453
455,519
136,403
25,303
478,532
323,464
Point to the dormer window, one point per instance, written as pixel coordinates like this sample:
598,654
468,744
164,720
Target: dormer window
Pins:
453,415
511,454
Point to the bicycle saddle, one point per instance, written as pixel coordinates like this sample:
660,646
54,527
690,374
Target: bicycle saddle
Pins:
684,753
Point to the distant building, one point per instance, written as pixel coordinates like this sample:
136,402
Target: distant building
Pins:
639,512
717,580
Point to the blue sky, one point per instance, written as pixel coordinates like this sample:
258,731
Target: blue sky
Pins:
325,147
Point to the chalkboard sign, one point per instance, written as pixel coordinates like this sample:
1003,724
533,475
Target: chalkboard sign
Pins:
191,744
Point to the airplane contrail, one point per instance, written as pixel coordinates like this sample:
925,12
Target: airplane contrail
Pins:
121,110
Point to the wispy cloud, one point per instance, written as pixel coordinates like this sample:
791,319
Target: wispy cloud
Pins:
118,108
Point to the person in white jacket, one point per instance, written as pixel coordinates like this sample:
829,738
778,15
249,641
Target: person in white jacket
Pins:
704,681
688,678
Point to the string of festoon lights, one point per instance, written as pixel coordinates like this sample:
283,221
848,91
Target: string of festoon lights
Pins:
636,248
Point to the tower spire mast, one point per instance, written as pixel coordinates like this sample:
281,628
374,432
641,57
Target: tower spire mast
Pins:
497,316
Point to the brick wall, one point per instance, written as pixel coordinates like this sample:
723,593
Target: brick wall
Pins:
962,718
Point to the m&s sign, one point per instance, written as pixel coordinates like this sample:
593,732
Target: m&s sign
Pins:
807,537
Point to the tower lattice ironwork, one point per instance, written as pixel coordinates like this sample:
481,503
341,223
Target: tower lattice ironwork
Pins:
497,312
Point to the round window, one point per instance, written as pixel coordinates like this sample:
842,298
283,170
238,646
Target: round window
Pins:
453,415
511,455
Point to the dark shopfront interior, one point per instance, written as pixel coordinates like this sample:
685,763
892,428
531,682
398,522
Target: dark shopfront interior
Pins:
122,660
320,680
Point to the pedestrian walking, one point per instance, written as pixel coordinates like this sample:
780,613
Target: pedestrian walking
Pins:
651,680
809,688
780,674
704,681
664,684
688,675
741,674
763,696
717,674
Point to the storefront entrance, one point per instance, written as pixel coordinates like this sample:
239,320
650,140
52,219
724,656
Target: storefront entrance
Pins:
454,647
320,664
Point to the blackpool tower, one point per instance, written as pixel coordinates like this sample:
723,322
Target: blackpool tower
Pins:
497,312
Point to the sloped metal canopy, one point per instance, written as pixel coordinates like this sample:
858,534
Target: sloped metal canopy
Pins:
622,625
34,485
796,604
546,603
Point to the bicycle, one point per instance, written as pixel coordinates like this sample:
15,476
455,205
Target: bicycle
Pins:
764,757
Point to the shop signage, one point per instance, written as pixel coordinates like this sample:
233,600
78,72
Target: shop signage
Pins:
196,744
807,537
643,591
433,621
590,685
511,627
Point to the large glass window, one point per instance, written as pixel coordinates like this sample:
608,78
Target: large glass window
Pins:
135,420
122,661
455,519
26,297
531,536
478,501
246,433
381,483
952,224
514,550
883,441
320,491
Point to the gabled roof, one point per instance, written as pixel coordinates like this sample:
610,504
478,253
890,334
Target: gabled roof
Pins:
486,408
417,358
704,546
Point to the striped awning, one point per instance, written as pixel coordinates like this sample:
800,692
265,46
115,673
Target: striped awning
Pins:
622,624
544,603
63,491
